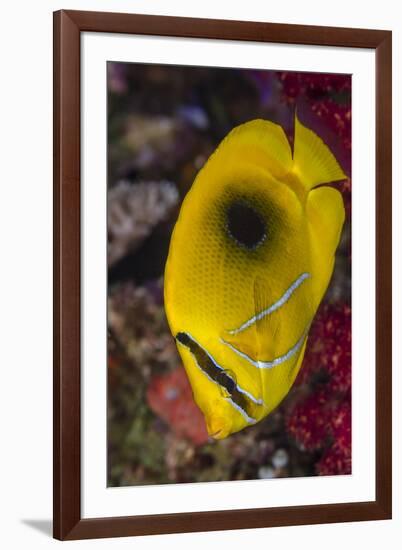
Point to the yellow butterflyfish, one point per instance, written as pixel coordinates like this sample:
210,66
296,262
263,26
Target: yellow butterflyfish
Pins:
250,258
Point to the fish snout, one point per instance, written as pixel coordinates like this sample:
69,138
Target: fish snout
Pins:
218,427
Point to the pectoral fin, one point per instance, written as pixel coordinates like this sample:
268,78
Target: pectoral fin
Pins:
326,215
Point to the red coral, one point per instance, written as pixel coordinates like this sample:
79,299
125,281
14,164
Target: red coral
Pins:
329,347
335,461
313,85
308,422
323,419
335,357
320,422
337,117
170,397
341,425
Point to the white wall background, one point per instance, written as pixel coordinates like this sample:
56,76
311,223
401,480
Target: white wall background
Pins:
26,271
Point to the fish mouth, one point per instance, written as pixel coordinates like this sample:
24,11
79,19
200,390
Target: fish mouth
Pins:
239,398
219,434
217,427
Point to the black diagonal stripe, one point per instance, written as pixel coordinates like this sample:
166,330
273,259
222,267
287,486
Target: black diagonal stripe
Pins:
215,373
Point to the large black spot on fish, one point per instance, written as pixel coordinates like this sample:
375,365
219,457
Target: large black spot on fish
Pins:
245,225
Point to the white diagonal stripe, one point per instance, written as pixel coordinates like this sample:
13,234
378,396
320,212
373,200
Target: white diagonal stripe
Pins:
279,303
274,362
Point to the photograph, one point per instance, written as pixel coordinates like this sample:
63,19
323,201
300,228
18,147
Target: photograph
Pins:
201,275
229,262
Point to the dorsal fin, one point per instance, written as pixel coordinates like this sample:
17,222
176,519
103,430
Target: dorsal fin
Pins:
259,141
313,162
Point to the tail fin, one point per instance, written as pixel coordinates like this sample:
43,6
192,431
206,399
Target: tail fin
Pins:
313,162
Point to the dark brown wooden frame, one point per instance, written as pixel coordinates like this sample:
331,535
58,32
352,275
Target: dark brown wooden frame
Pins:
68,26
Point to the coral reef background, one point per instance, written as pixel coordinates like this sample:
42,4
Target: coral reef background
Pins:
163,123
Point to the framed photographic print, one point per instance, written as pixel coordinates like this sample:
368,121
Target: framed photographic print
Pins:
222,231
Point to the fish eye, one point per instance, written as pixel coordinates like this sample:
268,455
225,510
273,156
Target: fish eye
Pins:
245,225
